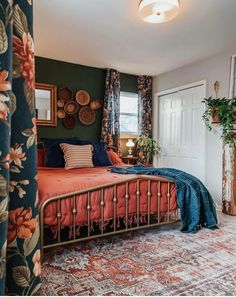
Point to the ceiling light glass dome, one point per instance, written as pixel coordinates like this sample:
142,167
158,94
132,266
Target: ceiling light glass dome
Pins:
158,11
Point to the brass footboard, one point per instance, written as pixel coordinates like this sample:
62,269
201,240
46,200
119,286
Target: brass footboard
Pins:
170,216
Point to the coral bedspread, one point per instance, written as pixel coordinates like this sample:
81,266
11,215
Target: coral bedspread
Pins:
57,181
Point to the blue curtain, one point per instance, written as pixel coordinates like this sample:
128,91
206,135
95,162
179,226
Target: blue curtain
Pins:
144,113
19,224
111,109
145,105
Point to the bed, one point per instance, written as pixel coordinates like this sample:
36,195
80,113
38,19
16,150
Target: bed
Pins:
81,204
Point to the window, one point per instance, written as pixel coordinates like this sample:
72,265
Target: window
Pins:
128,114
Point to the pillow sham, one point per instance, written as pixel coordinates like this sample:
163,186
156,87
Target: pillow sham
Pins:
100,156
77,156
115,159
54,155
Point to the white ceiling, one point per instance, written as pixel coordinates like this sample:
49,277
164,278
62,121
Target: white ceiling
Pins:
109,33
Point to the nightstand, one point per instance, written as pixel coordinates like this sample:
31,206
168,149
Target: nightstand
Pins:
130,160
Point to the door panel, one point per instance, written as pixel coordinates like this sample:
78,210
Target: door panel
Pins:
182,131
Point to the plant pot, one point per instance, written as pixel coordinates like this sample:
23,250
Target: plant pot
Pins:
234,114
215,116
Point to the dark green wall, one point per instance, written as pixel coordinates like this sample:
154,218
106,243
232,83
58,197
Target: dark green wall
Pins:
77,77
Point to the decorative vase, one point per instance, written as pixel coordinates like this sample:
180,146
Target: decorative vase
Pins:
215,116
229,180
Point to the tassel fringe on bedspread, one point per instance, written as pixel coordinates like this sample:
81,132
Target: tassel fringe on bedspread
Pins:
197,207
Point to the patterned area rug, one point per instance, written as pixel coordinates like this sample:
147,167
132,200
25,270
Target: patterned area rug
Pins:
161,261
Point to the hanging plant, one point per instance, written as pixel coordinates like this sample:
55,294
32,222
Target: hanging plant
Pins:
147,148
211,114
223,112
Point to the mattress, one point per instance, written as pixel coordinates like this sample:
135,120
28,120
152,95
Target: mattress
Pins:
58,181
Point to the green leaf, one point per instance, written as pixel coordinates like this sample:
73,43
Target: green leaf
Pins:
35,290
21,275
2,268
3,186
27,132
31,243
3,210
20,21
29,96
13,102
3,204
4,250
30,141
14,169
16,67
3,38
3,216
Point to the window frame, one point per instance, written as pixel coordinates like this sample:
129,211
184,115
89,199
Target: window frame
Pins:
128,134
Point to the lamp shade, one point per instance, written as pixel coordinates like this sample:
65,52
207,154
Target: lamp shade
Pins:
130,143
158,11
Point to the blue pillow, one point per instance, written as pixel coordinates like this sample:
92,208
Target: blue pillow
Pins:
100,156
54,154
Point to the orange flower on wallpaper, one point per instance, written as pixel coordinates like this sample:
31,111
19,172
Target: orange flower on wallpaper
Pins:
16,155
24,51
4,109
37,263
21,224
34,129
4,85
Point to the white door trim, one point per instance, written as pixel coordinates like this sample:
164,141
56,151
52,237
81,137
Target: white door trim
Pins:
232,77
156,112
181,88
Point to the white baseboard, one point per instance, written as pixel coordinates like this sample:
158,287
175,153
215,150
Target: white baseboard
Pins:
218,207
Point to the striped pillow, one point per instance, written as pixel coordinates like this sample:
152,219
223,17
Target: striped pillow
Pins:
77,156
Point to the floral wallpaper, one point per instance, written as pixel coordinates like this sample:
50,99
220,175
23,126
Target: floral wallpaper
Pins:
19,221
111,109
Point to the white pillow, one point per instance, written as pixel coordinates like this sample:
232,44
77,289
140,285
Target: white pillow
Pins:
77,156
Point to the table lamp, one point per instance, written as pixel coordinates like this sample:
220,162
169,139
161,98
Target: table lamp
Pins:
130,144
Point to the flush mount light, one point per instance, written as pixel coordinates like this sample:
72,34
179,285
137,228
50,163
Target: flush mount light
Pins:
158,11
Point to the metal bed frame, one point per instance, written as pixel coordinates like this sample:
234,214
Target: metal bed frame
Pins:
170,216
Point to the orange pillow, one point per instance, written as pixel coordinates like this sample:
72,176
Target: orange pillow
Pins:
115,159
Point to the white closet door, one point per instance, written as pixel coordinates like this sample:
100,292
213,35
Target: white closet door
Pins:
182,131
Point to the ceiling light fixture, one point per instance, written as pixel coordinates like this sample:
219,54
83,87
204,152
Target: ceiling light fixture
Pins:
158,11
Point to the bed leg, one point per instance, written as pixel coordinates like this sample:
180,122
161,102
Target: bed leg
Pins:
149,200
74,212
41,228
138,202
115,202
168,202
88,212
158,202
102,211
127,205
58,220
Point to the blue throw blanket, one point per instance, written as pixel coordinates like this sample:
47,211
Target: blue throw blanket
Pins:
197,207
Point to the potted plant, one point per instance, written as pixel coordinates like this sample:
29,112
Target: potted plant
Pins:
147,148
223,112
211,114
227,114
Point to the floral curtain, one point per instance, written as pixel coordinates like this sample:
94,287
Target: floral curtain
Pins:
19,224
145,111
111,109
